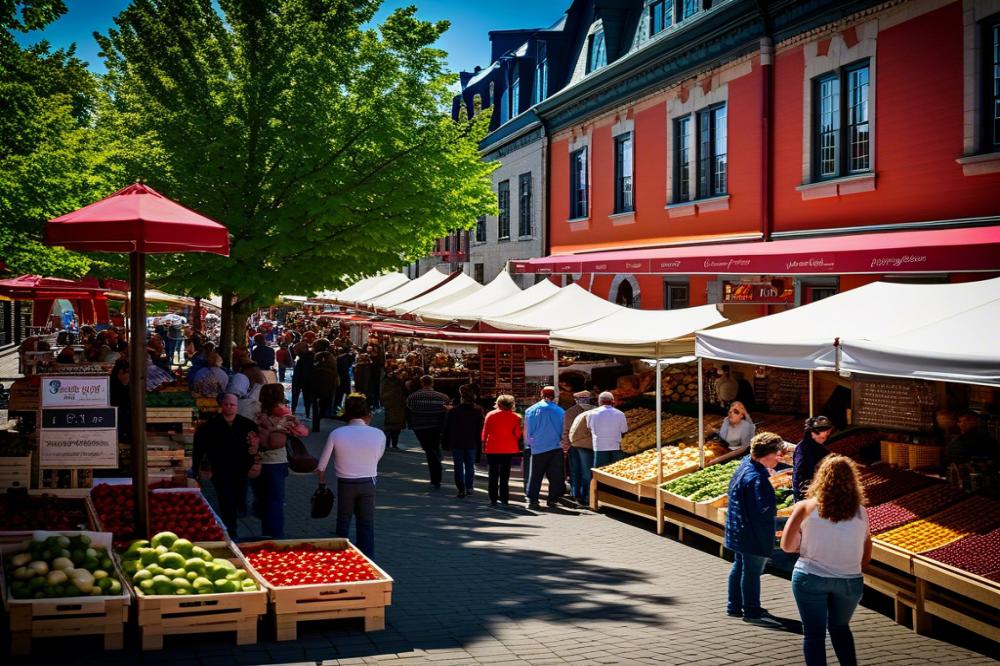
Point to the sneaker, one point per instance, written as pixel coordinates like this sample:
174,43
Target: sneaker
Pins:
460,495
738,613
765,620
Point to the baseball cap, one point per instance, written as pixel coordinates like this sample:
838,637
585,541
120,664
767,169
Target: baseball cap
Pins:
818,423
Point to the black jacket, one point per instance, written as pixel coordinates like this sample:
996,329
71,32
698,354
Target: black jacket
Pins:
224,446
463,428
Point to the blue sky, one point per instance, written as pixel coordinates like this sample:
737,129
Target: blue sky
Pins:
467,42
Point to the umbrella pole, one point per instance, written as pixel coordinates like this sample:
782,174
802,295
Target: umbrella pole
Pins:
701,415
137,390
659,441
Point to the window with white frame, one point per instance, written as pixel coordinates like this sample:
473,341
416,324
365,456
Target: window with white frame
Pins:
503,203
481,229
682,159
524,205
624,202
515,90
578,184
841,122
661,16
597,52
990,84
541,71
711,152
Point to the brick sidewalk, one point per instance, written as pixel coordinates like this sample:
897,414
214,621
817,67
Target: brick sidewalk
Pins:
478,585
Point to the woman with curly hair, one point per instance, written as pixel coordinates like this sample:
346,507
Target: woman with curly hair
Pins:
829,530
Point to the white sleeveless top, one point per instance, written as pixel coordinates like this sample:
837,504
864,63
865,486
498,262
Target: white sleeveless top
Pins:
833,550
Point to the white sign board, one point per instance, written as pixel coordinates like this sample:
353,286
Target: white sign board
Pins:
65,449
74,391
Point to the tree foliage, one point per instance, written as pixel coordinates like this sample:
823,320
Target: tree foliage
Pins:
319,141
53,157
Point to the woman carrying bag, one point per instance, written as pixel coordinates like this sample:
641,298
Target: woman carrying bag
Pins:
275,424
356,449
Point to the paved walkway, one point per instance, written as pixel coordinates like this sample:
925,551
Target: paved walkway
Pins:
478,585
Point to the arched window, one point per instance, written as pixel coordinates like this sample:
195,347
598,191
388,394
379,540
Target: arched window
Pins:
625,296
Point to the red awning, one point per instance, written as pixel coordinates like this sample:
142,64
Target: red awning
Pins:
30,287
406,330
926,251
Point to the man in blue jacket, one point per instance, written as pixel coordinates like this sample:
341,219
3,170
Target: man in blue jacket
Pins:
750,529
543,425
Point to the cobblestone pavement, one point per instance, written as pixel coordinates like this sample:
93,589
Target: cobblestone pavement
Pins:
478,585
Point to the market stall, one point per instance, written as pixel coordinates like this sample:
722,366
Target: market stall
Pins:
499,289
909,358
406,291
459,287
365,289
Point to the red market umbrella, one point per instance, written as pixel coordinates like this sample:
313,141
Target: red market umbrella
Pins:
140,221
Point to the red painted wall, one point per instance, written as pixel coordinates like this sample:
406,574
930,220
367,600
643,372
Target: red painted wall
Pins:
918,134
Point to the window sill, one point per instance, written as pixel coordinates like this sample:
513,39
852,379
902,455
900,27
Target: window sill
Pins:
579,223
525,238
505,239
977,165
698,206
622,218
837,187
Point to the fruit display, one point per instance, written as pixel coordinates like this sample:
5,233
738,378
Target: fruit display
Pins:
852,443
789,430
642,467
639,416
680,383
61,565
308,564
979,554
976,515
704,484
782,484
883,483
673,427
906,509
45,512
184,511
170,565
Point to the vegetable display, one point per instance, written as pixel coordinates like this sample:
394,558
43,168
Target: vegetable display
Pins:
184,512
976,515
978,554
170,565
45,512
61,566
170,397
643,466
307,564
909,508
704,484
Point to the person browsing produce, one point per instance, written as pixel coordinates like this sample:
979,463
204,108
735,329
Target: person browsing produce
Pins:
809,452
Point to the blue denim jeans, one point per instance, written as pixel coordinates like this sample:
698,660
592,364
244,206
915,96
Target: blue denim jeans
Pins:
602,458
580,462
744,585
827,604
356,499
465,469
272,482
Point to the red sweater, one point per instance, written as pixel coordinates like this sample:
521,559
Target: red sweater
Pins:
501,432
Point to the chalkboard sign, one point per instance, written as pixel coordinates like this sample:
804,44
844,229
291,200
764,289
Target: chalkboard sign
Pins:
92,418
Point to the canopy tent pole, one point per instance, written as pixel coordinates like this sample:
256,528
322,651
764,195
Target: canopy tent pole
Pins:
701,416
812,395
659,442
137,390
555,372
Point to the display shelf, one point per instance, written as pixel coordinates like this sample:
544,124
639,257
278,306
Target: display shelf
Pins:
898,404
291,604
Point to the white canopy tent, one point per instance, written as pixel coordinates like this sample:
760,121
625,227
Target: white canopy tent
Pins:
960,347
455,289
468,306
408,290
570,306
533,295
368,288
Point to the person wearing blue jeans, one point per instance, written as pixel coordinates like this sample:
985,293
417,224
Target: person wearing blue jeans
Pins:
356,499
465,470
602,458
272,484
829,530
750,529
462,434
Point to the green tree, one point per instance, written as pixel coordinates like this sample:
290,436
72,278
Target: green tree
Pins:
52,156
322,143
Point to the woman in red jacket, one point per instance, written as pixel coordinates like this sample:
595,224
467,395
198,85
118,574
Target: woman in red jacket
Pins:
501,442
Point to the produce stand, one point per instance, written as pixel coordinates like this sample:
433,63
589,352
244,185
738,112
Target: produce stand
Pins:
160,615
291,604
31,619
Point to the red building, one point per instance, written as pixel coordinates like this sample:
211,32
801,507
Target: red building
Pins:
857,140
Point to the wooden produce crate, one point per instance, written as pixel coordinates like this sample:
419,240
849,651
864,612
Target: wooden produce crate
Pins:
328,601
160,615
169,414
897,558
709,509
958,596
678,501
612,481
15,472
65,617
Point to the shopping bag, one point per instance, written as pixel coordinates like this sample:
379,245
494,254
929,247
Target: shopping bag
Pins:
300,461
321,503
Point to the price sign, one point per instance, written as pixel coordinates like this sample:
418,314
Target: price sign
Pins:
92,418
66,449
74,391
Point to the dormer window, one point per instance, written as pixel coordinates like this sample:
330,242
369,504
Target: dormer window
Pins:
541,72
515,90
597,53
660,16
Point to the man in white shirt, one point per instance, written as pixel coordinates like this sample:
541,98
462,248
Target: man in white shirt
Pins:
356,449
607,425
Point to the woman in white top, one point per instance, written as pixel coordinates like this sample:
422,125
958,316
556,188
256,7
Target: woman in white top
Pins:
829,530
737,428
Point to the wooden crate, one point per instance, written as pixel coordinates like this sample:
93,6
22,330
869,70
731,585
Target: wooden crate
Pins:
15,472
957,581
897,558
31,619
329,601
613,481
671,499
169,615
709,509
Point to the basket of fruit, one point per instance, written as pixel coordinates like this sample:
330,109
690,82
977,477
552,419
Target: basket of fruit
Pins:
63,584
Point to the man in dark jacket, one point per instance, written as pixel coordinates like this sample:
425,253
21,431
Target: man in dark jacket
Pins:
345,361
324,384
750,529
262,354
808,454
224,446
462,435
425,411
304,362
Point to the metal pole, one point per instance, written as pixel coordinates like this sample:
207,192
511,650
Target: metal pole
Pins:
812,396
701,416
137,390
659,423
555,371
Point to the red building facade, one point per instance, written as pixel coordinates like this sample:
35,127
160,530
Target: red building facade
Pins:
799,122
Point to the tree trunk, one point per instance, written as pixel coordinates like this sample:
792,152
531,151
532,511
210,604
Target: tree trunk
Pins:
226,332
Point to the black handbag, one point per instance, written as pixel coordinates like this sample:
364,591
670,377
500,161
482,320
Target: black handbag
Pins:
321,503
300,460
